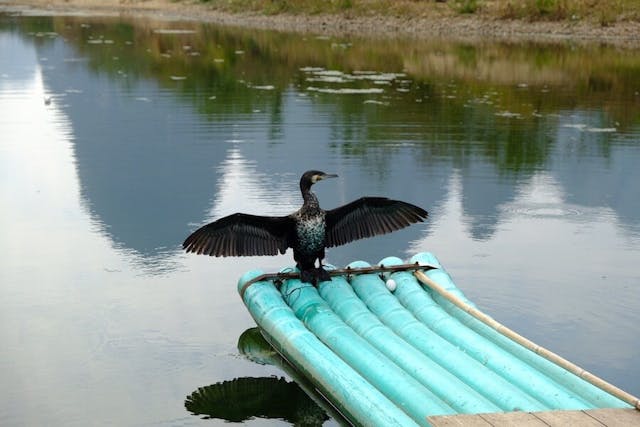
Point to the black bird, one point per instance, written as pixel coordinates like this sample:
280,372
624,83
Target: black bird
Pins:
308,231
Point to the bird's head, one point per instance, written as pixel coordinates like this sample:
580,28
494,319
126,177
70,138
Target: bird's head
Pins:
311,177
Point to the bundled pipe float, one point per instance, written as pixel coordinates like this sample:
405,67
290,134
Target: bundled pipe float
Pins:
396,343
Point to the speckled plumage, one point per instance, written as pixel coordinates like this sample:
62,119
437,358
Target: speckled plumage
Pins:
310,233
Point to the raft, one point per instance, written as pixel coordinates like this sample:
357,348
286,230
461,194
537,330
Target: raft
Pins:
396,343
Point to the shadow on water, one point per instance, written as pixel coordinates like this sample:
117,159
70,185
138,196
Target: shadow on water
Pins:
245,398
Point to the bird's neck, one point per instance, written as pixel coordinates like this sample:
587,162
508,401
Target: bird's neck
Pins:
310,199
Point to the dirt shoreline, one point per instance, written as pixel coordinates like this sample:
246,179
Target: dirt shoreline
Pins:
460,27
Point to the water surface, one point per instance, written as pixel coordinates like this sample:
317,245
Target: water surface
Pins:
120,137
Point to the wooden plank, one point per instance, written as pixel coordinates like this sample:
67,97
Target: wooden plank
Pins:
611,417
568,418
513,419
465,420
616,417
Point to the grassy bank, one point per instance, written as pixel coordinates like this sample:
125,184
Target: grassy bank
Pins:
583,21
596,11
602,12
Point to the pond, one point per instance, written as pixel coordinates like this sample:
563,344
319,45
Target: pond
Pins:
119,137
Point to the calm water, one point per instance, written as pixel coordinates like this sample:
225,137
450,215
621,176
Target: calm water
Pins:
118,138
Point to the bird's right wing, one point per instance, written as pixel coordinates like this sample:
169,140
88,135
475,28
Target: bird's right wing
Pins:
368,217
242,235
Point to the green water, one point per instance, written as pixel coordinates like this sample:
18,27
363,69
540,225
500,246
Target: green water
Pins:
119,137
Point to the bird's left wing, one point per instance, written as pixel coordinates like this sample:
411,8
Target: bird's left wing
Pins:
242,235
369,216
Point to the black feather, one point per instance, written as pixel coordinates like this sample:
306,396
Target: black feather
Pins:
241,235
368,217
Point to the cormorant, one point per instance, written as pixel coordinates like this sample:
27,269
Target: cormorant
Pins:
308,231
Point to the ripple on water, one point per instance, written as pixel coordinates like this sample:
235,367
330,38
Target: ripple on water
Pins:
543,211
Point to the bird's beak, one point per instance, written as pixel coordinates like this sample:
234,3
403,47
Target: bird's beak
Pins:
328,175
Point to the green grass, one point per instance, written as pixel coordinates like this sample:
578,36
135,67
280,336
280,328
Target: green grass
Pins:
465,6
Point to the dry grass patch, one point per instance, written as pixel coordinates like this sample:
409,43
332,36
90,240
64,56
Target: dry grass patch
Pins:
602,12
392,8
598,11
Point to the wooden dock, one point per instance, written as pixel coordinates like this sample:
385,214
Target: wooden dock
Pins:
586,418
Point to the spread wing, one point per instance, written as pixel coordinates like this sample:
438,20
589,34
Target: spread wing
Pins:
242,235
369,216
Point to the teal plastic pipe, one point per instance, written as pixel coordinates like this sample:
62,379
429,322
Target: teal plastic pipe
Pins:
399,387
374,293
330,374
344,302
255,345
514,370
586,391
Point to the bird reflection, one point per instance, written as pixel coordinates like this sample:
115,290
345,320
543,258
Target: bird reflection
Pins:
244,398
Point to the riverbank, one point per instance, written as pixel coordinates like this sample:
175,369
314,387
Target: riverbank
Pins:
432,20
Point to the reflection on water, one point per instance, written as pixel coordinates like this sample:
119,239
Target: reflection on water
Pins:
120,138
244,398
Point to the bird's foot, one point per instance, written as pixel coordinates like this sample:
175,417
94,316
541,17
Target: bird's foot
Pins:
323,275
314,276
309,276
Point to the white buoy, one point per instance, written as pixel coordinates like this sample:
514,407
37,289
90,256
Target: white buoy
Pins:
391,285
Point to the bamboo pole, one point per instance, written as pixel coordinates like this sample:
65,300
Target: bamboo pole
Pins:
514,336
336,272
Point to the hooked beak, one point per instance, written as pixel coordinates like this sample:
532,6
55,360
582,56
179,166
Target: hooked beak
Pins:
328,175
